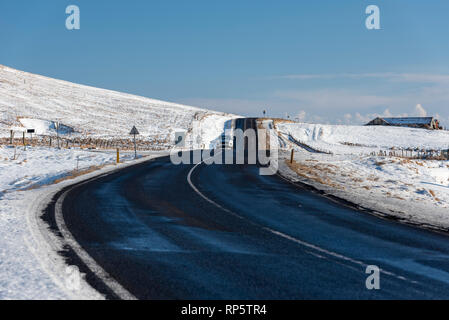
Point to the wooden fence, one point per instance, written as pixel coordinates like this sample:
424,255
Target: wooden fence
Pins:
414,154
147,144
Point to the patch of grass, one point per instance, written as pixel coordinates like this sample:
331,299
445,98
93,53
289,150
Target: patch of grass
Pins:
70,175
314,173
76,173
434,195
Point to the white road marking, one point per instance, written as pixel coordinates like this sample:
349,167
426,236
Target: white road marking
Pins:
189,180
285,236
110,282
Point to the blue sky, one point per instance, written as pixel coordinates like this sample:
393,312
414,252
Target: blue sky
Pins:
310,59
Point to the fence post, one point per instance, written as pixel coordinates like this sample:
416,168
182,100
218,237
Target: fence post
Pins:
12,137
292,155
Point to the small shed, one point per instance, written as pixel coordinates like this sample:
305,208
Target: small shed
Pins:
412,122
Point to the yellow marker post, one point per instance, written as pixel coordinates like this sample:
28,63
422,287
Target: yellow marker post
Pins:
118,155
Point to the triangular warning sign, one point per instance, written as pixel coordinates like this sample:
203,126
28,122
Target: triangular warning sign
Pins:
134,130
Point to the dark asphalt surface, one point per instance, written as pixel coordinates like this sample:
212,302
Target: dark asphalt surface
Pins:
155,235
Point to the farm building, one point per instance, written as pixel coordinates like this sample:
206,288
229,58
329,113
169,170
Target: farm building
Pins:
413,122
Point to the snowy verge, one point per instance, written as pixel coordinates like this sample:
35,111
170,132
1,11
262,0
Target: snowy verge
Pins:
31,267
411,191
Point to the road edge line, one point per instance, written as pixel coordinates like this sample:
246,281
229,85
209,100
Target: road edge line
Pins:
40,230
285,236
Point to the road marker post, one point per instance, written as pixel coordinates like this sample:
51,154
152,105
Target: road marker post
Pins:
57,133
118,155
292,155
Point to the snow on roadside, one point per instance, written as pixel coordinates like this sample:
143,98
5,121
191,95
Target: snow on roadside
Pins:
206,133
23,182
36,166
414,191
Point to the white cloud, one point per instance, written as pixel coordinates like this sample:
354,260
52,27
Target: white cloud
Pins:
359,118
301,116
420,111
391,76
350,105
334,99
243,107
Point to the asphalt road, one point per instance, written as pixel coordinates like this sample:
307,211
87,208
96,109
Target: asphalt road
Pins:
234,234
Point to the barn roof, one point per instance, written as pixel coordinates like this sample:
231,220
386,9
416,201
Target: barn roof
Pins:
409,120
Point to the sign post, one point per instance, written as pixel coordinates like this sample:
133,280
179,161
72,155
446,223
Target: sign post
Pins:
31,131
57,132
134,132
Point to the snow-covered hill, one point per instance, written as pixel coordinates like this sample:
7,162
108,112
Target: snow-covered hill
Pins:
29,99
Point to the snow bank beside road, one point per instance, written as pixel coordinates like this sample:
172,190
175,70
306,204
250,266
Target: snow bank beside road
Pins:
207,132
27,267
41,166
413,191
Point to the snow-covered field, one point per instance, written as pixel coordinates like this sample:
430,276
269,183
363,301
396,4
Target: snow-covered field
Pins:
37,102
416,191
341,139
34,167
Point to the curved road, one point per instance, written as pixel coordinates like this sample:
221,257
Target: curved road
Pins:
233,234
